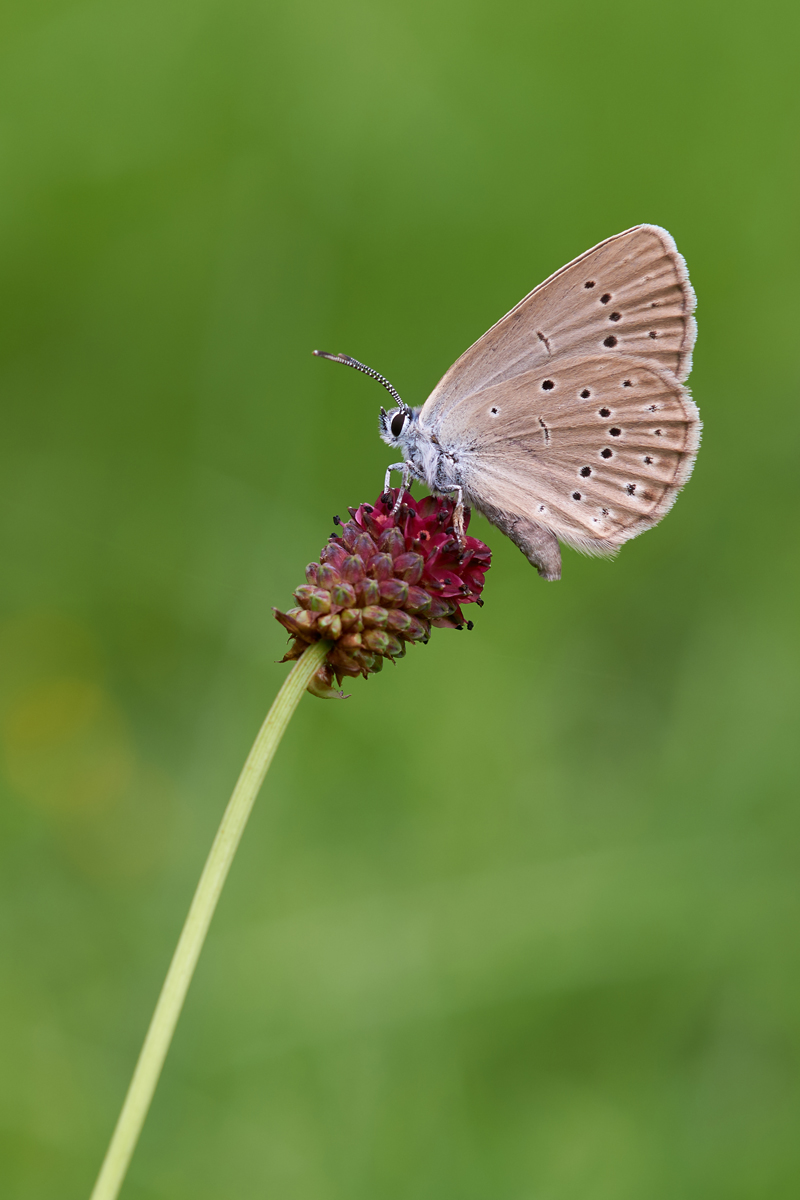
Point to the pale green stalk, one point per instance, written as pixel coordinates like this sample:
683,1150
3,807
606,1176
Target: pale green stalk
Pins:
187,952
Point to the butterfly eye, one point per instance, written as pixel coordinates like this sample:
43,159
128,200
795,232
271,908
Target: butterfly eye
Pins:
398,423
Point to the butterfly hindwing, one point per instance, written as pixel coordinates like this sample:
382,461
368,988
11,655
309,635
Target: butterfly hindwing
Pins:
594,449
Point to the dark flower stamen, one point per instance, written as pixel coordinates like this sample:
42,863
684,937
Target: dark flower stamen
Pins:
384,581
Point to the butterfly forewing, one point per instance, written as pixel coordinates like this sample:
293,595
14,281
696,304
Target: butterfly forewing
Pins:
595,448
629,295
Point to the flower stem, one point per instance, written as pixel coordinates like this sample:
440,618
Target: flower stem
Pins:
173,993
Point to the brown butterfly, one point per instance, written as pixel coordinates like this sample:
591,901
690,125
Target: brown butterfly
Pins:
568,419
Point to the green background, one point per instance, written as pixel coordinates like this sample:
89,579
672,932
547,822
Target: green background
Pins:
519,920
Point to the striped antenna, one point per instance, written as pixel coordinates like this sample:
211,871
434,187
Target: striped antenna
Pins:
359,366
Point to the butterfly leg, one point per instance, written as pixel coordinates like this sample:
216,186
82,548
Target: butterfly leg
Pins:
407,471
458,516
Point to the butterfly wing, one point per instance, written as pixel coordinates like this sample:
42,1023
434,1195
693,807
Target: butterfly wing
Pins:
628,295
592,451
568,418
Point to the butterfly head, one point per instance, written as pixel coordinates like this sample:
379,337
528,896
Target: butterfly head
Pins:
395,424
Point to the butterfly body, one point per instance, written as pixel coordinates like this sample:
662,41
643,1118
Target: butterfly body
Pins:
568,420
424,456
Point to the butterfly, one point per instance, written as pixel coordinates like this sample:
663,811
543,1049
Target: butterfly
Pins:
569,419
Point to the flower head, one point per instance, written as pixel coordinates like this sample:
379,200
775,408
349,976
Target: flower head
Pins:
383,582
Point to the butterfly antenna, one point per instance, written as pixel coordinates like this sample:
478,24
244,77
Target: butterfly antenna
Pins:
359,366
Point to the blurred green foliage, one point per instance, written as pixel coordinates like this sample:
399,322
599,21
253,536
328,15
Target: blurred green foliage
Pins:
518,920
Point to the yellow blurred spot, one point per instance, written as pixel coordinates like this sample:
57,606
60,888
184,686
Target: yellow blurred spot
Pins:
66,746
67,751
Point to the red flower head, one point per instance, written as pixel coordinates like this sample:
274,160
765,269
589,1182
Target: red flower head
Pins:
383,582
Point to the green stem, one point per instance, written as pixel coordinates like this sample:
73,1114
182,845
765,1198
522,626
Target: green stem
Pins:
173,993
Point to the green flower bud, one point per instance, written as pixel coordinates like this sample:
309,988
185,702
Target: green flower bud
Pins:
352,619
417,631
395,649
392,542
377,640
369,592
343,596
328,576
314,598
364,546
409,567
304,621
394,593
381,566
353,568
374,617
330,626
419,602
398,621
